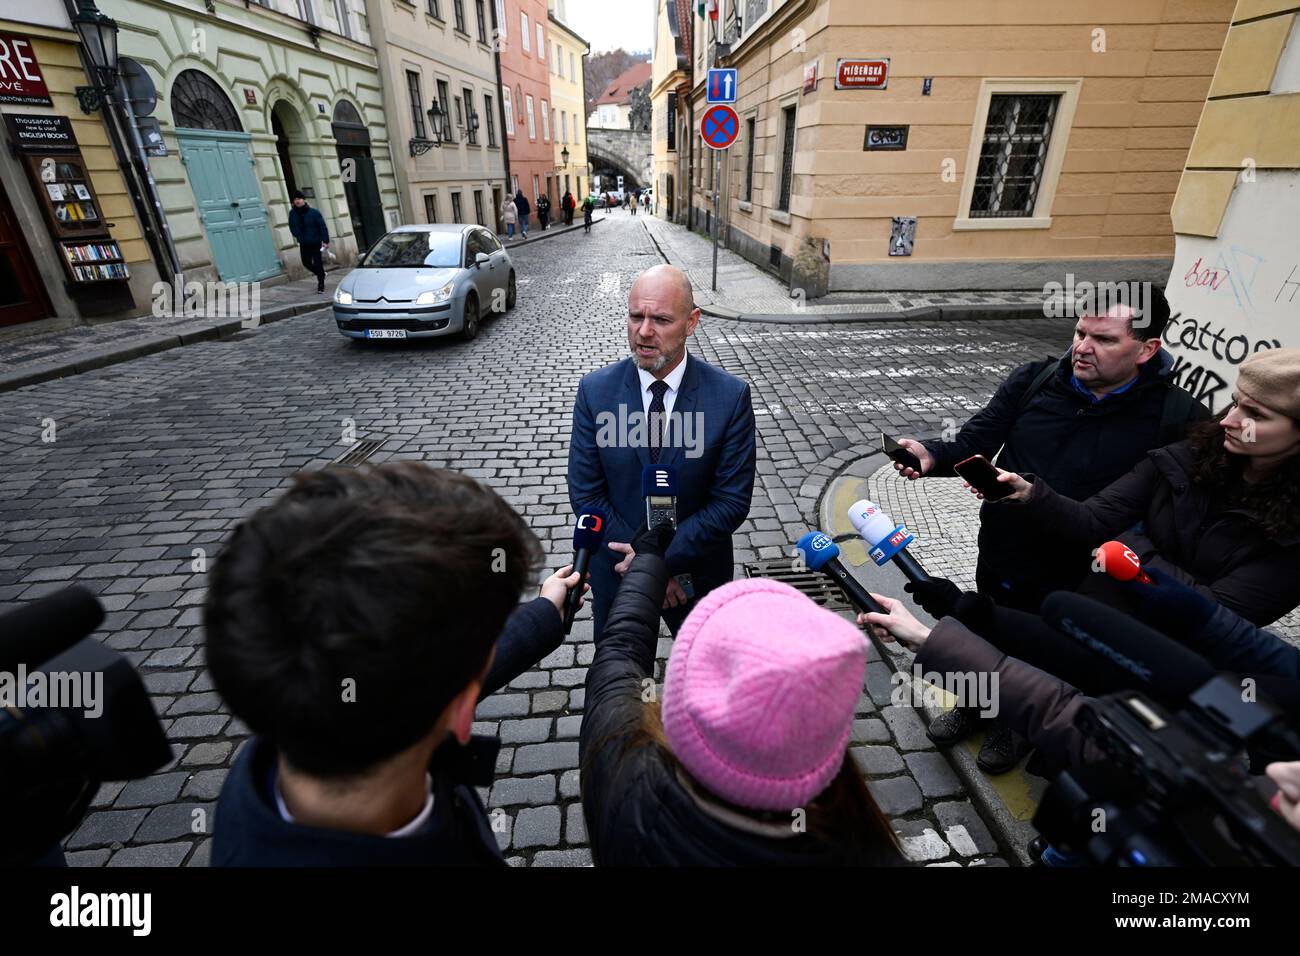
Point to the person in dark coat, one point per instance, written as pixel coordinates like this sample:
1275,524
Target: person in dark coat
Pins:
312,235
1219,512
1081,422
522,207
354,624
544,210
745,762
588,208
567,204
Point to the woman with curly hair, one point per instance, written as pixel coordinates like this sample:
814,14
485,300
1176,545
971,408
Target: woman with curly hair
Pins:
1219,511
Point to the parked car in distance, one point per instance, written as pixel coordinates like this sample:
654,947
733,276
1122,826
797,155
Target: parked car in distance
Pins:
426,280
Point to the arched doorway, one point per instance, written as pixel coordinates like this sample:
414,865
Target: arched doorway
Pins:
219,163
359,183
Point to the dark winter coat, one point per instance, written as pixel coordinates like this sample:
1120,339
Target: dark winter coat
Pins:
640,809
521,204
1178,527
1077,445
249,830
308,226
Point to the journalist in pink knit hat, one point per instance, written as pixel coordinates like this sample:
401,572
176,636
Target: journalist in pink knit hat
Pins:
760,692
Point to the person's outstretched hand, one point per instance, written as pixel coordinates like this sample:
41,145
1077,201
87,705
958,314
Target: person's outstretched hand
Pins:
559,584
654,540
1023,488
896,624
923,456
937,596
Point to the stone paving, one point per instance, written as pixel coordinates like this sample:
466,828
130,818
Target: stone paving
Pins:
146,466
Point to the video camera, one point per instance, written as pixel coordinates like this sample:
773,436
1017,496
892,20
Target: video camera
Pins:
73,713
1175,788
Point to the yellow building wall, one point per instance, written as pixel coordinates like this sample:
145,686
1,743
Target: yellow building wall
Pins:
568,95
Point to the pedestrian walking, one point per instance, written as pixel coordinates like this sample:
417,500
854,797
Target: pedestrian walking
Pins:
511,215
588,207
632,203
308,227
568,205
544,210
523,208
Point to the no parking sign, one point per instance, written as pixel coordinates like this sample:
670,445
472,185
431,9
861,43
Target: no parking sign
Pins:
719,126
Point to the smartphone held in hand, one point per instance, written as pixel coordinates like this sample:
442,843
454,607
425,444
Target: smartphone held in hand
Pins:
980,474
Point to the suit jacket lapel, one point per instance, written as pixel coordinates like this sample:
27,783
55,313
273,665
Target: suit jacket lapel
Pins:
632,398
684,406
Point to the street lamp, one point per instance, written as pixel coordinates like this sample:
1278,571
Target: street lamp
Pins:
419,145
98,35
564,157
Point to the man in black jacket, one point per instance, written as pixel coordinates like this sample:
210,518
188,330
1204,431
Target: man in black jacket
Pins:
1080,422
309,229
352,625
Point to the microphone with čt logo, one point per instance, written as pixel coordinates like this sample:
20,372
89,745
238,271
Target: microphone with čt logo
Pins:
822,555
885,540
588,532
1119,561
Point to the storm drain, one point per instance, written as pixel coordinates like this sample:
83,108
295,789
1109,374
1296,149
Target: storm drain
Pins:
812,583
360,452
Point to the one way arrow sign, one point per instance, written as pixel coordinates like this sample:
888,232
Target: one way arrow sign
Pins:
721,86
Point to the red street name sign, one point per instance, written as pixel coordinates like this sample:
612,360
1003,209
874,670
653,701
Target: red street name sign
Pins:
862,74
20,74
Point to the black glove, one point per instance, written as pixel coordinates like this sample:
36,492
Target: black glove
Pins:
653,540
938,596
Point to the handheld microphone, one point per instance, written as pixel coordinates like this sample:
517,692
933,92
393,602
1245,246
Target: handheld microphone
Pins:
1119,561
659,487
885,540
588,532
821,554
41,629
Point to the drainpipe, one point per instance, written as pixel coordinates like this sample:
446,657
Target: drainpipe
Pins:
506,194
169,269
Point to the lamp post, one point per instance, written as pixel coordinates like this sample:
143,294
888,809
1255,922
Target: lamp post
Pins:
420,146
98,35
564,157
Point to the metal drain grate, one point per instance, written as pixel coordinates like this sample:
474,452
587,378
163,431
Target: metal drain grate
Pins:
360,452
817,586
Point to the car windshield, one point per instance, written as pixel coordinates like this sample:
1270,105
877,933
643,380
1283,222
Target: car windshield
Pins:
410,250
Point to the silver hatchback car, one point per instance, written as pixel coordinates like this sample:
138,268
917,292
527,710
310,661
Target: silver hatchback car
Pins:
426,280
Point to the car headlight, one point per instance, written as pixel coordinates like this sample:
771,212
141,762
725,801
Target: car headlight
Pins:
439,295
342,298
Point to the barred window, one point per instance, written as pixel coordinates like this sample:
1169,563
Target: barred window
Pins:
1013,155
787,160
750,125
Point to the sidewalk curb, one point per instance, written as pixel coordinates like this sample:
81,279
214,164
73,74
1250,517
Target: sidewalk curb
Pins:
200,331
550,233
937,313
1012,835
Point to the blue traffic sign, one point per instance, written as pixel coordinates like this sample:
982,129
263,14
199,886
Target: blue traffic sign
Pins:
719,126
721,87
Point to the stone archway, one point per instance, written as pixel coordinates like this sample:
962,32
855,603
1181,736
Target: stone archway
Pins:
293,147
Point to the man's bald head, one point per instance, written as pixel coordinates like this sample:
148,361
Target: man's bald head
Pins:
670,281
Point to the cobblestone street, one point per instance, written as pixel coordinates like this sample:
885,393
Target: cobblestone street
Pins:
155,460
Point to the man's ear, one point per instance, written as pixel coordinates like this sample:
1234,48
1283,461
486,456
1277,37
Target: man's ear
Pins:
460,712
692,321
1149,348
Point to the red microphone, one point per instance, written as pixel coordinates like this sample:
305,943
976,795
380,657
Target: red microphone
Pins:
1119,561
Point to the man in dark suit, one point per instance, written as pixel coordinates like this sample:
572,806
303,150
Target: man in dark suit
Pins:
660,406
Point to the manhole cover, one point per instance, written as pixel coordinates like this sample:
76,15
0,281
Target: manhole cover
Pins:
815,585
359,452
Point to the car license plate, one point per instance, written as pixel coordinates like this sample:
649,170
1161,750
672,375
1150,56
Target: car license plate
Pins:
385,333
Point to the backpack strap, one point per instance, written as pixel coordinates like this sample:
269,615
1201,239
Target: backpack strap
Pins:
1035,386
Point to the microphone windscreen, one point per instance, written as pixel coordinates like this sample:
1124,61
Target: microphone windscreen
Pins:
1154,662
658,480
1118,560
41,629
870,521
817,549
589,530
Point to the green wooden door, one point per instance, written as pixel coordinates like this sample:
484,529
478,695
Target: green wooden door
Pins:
230,205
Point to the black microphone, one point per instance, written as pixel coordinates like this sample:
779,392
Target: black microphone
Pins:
41,629
821,554
659,487
588,532
885,541
1150,661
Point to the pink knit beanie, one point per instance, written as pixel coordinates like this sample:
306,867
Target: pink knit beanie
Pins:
760,692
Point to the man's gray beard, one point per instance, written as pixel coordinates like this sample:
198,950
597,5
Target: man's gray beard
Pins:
654,366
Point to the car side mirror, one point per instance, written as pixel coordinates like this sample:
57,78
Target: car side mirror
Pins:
481,258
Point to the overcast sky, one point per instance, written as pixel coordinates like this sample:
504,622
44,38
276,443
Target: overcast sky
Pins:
607,26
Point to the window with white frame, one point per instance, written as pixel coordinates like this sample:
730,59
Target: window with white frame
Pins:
541,44
573,74
523,28
501,18
546,125
509,110
532,122
564,126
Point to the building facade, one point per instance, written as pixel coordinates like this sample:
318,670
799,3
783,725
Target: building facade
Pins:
614,106
568,98
255,100
72,242
670,86
979,145
1235,283
441,97
524,44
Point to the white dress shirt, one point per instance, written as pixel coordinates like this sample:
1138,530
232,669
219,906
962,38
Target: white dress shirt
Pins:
674,382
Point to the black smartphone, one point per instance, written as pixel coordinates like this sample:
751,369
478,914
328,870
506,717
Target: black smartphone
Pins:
983,477
898,453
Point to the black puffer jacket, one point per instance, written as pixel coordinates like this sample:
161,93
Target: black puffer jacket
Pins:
1078,446
1170,523
639,811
